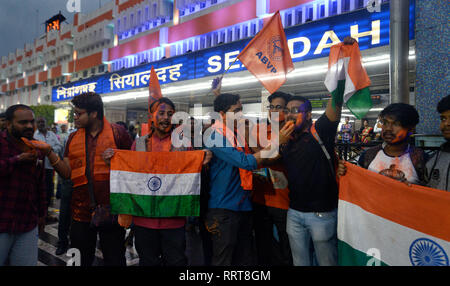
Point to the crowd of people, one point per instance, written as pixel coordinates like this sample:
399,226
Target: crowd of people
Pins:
284,206
366,134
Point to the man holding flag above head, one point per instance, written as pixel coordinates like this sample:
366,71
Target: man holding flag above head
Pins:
313,192
158,189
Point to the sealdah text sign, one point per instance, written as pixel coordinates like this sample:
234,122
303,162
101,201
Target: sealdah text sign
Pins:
305,41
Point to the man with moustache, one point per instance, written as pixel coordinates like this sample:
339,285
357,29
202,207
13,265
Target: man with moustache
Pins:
159,241
395,158
313,192
89,172
22,190
438,167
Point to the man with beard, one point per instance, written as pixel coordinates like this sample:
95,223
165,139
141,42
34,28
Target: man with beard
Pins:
438,167
22,190
159,241
313,192
395,158
84,153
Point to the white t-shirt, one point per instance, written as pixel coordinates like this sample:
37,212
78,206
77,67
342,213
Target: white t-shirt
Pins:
377,129
399,168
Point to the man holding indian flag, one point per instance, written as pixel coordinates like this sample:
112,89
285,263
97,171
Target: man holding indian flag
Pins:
157,187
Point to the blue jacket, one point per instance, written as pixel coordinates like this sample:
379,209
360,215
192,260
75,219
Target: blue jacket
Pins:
226,191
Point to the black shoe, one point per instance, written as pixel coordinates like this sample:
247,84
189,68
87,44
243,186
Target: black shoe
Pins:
61,249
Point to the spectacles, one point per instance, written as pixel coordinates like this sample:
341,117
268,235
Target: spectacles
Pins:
278,108
293,110
78,114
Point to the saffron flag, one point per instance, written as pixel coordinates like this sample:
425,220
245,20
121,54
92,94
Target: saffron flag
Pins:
154,93
382,221
347,79
267,55
156,184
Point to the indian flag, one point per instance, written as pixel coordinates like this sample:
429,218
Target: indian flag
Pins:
382,221
156,184
347,79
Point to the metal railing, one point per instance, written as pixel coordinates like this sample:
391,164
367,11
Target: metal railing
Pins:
351,151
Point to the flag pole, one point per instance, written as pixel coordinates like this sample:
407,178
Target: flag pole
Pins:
221,77
223,74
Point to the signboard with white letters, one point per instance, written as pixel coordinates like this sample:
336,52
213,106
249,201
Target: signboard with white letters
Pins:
306,41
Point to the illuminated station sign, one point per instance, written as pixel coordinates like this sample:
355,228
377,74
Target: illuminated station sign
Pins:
307,41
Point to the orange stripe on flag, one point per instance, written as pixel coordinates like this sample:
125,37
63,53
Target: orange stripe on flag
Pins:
267,55
417,207
355,70
187,162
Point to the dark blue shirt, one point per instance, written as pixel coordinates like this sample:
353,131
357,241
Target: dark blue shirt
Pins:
312,187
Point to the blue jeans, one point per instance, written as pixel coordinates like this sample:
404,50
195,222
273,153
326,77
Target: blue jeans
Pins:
320,229
22,248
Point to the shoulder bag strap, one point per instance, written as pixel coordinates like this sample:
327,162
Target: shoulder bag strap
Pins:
317,137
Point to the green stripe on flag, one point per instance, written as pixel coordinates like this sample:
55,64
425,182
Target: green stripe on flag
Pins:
360,102
337,95
349,256
155,206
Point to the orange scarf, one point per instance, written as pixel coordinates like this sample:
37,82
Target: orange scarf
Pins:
246,176
77,155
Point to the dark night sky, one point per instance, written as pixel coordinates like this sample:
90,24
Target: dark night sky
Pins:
19,22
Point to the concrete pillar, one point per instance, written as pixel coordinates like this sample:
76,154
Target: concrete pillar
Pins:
399,49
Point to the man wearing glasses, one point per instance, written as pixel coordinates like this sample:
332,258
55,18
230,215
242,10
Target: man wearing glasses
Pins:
229,217
84,163
271,195
313,191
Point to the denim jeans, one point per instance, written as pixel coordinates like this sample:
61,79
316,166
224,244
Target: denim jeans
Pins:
22,248
318,228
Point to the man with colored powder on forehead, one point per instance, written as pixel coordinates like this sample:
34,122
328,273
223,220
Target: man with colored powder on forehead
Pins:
310,161
159,241
313,191
395,157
